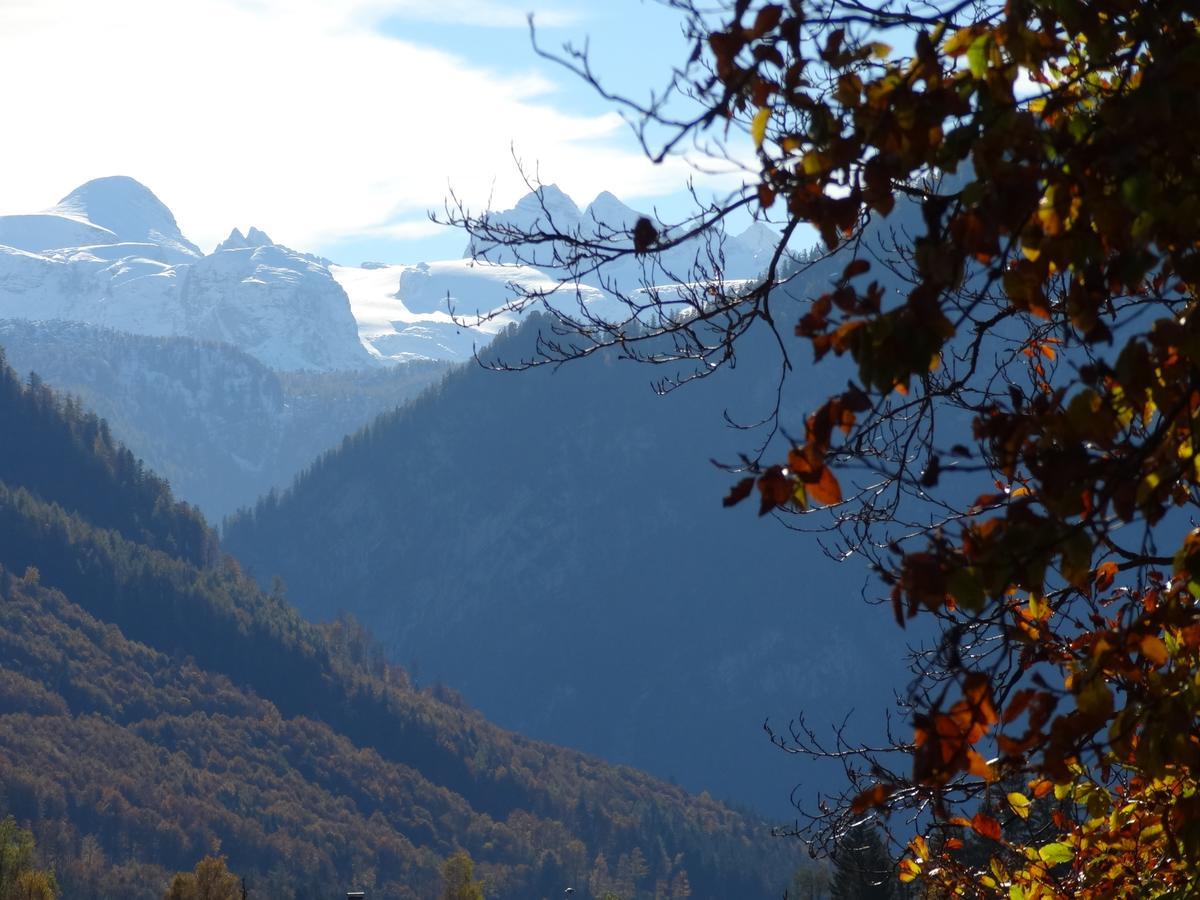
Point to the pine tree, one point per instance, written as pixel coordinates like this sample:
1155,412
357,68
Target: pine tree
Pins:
862,869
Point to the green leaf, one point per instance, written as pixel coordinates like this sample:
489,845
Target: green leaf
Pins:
1056,853
977,56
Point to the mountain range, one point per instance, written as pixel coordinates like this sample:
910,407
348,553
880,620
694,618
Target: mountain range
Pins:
110,254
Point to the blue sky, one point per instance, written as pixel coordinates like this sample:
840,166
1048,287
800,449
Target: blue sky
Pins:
334,126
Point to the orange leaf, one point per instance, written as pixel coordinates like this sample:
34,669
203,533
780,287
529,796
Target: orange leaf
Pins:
874,796
1154,650
1104,575
986,826
978,766
826,490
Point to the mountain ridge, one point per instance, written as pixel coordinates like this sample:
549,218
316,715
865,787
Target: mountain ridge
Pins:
111,254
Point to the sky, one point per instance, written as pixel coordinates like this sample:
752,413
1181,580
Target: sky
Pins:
333,125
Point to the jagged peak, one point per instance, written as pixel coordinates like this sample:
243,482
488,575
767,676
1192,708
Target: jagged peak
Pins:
235,241
258,238
251,240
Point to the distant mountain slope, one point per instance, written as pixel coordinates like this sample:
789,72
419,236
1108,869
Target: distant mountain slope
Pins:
553,545
155,704
220,426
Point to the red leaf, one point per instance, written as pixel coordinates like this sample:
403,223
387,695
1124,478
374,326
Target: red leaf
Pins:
775,488
740,492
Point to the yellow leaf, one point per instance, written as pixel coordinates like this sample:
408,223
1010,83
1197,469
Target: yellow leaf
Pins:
758,128
1019,803
814,163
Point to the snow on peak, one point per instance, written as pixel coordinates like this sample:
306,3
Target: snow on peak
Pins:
252,239
760,238
549,198
607,210
235,241
256,238
129,210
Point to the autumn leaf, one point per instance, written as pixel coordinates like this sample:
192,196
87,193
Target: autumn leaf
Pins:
758,127
1019,804
1154,649
740,492
1103,577
985,826
1056,853
872,797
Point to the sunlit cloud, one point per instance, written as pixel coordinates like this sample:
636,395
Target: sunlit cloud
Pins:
300,117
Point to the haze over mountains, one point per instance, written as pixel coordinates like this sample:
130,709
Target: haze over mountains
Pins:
550,544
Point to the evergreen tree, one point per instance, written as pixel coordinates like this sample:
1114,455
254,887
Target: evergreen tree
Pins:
862,869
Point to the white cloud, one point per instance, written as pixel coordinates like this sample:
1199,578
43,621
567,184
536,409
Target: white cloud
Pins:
488,13
295,116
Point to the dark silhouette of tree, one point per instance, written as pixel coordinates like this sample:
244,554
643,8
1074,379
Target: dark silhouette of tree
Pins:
862,869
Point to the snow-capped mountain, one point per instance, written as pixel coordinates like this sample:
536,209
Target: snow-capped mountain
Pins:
609,222
111,254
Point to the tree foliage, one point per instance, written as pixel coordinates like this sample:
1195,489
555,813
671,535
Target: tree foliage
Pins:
20,879
1016,453
458,876
209,880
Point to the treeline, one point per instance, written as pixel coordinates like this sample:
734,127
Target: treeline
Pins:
155,704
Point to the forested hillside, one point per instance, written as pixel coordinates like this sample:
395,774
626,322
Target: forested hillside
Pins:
155,705
552,544
215,422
